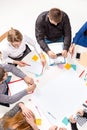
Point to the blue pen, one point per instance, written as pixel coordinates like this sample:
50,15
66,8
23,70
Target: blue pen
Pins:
51,115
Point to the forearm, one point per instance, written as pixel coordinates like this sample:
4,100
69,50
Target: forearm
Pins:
35,127
43,45
73,126
85,114
12,99
67,43
21,105
13,111
14,70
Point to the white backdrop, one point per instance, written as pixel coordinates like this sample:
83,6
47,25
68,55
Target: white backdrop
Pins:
21,14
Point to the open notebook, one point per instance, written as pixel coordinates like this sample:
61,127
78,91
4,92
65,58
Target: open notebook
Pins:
57,49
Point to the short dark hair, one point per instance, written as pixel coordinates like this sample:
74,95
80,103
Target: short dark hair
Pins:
55,14
2,73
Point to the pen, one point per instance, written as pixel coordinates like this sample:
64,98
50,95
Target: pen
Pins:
25,63
51,115
81,73
38,110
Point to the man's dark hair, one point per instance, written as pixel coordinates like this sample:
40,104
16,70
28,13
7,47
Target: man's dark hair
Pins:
55,14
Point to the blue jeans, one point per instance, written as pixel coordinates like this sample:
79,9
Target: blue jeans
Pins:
49,41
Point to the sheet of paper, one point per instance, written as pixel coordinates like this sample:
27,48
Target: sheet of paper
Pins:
66,86
35,67
16,86
56,48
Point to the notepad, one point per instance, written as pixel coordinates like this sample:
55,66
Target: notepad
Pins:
57,48
16,86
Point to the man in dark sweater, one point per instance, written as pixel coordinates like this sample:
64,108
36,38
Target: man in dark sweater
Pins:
53,26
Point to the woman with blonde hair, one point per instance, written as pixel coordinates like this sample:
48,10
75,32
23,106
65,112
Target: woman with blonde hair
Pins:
17,48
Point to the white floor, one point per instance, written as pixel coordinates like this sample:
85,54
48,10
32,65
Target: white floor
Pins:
22,15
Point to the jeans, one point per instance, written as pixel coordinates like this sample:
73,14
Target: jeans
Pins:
49,41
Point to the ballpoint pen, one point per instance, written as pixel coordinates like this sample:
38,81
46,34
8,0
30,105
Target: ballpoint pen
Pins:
51,115
38,110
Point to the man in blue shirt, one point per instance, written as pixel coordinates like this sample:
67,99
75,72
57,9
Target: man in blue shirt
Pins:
80,38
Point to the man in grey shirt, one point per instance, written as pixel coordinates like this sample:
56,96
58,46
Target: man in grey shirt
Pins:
5,99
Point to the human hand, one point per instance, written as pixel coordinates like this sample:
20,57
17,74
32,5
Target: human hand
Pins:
20,63
72,119
72,49
53,127
80,112
31,120
43,59
28,80
62,128
52,54
25,111
64,53
31,88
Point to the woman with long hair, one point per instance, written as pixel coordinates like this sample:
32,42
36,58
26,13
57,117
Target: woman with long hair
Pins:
18,118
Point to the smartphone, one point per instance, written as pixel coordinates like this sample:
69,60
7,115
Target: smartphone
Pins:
77,55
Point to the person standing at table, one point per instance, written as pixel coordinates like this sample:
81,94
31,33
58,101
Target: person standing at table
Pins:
53,26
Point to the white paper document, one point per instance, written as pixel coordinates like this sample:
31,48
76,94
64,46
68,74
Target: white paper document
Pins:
35,67
16,86
56,48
